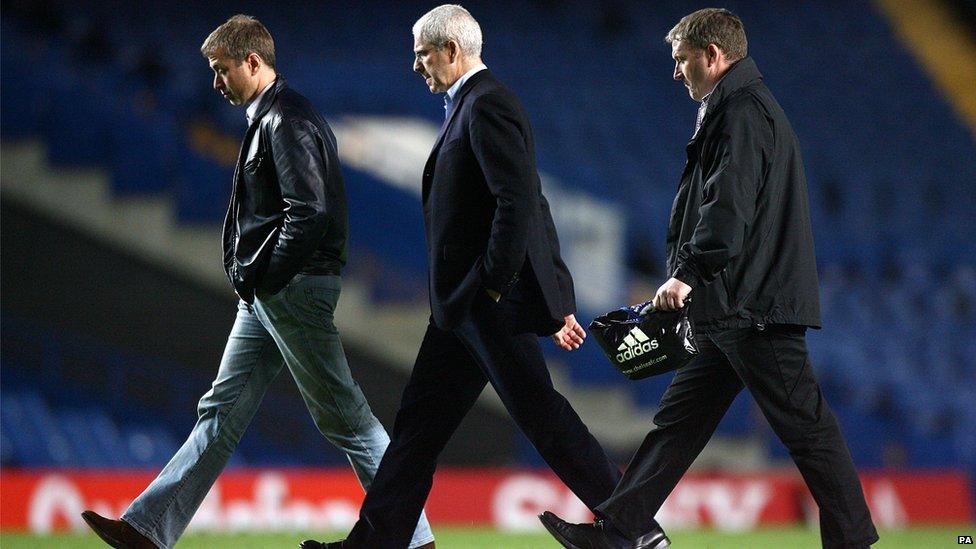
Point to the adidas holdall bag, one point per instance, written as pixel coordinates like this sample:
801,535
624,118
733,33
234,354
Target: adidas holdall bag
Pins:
641,341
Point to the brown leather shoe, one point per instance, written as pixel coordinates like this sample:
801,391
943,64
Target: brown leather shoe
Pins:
117,533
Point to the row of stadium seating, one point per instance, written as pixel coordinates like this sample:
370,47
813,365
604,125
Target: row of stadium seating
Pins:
68,401
902,352
32,433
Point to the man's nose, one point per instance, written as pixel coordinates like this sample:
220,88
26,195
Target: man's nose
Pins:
216,83
677,75
417,67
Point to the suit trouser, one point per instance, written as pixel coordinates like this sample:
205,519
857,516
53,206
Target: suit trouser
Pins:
451,370
293,327
773,364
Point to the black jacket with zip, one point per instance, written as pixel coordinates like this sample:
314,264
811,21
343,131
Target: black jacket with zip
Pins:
739,232
287,209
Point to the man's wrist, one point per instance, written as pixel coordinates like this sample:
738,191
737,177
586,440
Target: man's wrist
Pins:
686,276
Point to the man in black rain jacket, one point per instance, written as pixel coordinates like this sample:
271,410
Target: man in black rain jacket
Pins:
740,245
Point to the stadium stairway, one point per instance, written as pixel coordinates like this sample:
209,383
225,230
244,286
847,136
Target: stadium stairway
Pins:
147,227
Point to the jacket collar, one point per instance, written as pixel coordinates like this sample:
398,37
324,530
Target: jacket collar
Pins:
429,166
472,80
459,96
263,107
268,99
740,75
467,87
743,73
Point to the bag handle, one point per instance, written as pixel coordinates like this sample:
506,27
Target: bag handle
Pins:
648,307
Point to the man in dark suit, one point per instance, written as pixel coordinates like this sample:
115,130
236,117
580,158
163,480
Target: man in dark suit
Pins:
740,244
284,249
497,282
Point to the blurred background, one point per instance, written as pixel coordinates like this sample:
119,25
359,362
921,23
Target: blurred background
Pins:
117,157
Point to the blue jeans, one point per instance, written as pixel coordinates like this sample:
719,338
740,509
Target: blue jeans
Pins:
293,327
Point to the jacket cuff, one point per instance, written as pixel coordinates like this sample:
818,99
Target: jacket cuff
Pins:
500,285
685,274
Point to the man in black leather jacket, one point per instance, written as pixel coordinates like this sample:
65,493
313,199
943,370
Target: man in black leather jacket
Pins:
287,211
284,248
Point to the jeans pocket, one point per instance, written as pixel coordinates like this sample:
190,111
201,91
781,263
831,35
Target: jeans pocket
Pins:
322,302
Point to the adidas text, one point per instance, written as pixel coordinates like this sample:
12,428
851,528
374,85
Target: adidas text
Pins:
635,344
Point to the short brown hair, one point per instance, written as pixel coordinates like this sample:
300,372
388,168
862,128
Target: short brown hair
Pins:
240,36
712,26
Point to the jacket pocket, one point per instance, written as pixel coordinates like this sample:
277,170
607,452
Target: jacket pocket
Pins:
253,165
727,286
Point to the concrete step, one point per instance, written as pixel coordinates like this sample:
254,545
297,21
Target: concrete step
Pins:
143,221
200,253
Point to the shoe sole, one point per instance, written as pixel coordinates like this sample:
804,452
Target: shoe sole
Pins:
98,532
563,541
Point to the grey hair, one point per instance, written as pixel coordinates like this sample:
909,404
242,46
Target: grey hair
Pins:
450,22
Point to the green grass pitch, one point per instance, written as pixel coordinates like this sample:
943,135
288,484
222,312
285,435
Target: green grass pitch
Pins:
482,538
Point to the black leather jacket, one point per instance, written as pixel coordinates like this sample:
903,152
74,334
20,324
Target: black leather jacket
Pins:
287,211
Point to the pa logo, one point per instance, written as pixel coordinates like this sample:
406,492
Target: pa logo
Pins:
964,540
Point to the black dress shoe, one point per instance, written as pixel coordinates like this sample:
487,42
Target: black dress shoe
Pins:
584,536
117,533
312,544
655,539
599,535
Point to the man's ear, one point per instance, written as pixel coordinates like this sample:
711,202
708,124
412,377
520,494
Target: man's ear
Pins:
254,62
453,50
713,53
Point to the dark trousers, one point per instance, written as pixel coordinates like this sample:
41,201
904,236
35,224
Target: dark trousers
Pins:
451,370
773,364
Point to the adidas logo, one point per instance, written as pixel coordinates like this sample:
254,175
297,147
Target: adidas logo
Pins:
635,343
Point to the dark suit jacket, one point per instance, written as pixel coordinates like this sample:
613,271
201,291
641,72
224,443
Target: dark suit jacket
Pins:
287,210
488,224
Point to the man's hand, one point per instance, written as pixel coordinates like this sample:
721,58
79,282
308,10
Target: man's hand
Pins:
671,295
571,335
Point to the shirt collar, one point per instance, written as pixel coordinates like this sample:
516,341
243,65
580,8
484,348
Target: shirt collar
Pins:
252,108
